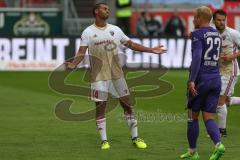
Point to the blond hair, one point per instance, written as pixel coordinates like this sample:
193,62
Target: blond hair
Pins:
204,12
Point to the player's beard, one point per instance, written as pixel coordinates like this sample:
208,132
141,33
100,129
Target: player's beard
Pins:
105,17
221,27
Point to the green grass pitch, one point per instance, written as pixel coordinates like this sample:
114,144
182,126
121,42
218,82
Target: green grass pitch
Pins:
30,130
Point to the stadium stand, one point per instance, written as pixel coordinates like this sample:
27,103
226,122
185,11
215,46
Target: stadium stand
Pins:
84,8
2,3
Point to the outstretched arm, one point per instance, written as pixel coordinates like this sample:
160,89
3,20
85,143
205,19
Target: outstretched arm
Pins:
138,47
78,58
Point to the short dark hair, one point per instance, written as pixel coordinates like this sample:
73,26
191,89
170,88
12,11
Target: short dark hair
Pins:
96,6
219,11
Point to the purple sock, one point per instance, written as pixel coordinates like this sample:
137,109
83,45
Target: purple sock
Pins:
213,131
192,133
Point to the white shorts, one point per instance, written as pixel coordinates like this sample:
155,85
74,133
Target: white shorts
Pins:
228,84
100,89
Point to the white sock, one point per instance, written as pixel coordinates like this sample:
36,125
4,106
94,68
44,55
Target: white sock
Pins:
234,100
101,126
217,144
222,116
192,150
132,124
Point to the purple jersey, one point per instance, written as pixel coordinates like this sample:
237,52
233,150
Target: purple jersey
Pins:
206,46
204,70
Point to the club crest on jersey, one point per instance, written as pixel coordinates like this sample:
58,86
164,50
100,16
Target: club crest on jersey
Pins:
112,33
223,37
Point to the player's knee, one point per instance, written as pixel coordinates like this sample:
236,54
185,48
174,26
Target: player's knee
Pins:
100,109
221,103
228,100
205,119
193,115
222,100
101,104
190,120
207,116
127,107
125,100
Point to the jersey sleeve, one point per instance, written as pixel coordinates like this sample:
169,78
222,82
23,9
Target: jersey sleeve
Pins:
122,37
236,37
196,41
196,56
84,41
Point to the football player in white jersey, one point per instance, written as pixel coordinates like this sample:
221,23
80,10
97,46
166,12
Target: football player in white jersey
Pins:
228,67
102,41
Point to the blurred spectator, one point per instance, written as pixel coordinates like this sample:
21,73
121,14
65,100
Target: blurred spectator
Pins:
174,26
38,3
141,27
124,12
147,25
154,26
2,3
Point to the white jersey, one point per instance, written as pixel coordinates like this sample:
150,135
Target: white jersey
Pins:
230,44
103,45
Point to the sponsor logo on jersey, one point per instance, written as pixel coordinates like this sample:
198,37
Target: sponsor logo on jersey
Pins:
112,33
103,42
195,39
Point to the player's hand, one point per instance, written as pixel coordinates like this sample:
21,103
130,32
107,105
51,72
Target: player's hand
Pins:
189,35
159,50
70,65
191,88
227,58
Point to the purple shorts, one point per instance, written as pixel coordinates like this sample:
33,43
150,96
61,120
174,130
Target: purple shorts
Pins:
207,98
